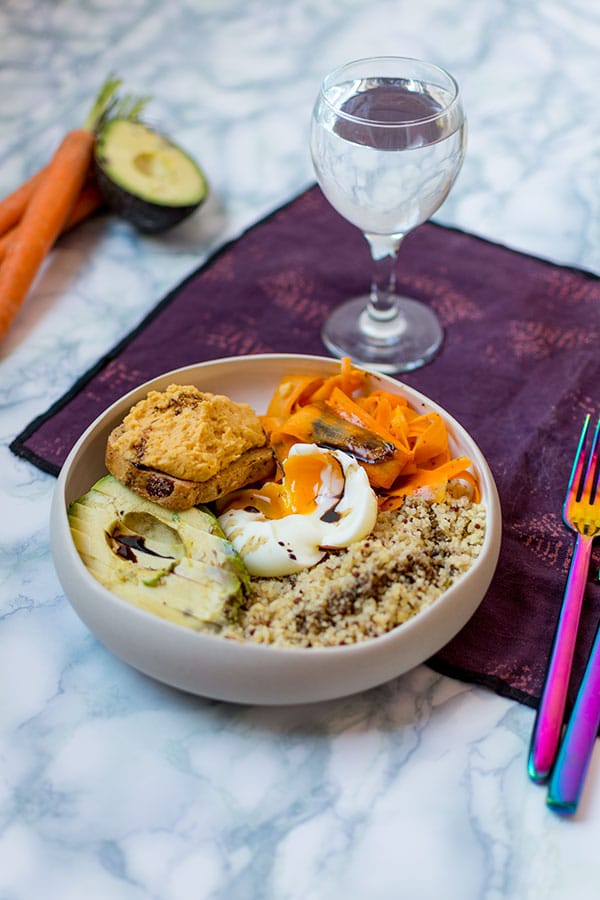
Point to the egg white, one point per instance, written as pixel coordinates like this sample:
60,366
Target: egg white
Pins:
276,547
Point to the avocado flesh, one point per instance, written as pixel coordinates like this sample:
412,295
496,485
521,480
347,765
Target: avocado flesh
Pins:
178,566
145,177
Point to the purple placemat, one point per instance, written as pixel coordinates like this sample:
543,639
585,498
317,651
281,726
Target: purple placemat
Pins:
519,368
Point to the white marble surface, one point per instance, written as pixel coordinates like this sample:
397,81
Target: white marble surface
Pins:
112,786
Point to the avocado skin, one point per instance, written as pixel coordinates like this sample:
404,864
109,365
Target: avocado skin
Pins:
178,566
121,196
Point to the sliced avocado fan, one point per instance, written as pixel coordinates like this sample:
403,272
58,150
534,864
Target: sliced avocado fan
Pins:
179,566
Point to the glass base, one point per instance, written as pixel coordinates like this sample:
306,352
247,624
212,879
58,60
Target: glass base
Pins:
400,344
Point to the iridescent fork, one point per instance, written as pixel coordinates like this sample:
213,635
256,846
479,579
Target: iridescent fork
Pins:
581,513
575,752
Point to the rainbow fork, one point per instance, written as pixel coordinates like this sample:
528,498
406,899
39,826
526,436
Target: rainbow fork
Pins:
581,513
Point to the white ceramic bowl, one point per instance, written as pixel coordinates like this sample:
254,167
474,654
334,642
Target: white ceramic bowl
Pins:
244,672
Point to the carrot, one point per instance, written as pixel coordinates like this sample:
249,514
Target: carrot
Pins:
401,450
431,439
353,412
290,392
349,380
43,221
13,205
89,200
432,478
51,204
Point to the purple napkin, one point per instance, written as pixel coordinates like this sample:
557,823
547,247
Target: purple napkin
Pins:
519,368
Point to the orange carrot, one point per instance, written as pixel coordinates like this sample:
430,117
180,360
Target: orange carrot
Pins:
290,392
454,468
431,440
43,220
13,205
339,411
52,202
350,410
89,200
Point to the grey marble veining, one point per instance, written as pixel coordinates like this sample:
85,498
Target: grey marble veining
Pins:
112,786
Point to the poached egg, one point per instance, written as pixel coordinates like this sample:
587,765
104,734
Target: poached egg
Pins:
323,502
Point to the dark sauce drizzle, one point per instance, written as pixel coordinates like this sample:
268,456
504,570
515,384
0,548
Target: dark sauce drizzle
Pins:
127,543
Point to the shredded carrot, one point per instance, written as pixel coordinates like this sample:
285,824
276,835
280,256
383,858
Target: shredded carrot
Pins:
290,391
417,451
383,475
89,200
425,478
431,439
351,410
348,381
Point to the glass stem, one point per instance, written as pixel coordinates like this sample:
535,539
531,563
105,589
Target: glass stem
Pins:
382,304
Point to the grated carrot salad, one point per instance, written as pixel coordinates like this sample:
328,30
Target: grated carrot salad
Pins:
408,452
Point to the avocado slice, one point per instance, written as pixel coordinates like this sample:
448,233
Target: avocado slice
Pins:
145,177
179,566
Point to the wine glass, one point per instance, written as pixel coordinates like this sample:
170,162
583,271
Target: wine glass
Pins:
388,137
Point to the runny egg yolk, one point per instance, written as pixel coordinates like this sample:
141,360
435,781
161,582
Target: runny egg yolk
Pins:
306,479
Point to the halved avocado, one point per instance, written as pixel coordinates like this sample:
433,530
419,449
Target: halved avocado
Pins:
179,566
145,177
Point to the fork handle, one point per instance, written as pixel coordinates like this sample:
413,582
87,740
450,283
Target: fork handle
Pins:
576,749
549,719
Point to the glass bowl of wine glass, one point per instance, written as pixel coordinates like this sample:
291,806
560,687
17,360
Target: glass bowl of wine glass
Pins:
388,138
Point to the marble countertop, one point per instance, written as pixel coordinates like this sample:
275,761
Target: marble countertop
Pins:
111,785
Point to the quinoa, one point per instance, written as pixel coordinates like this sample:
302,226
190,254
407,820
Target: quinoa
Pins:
410,558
